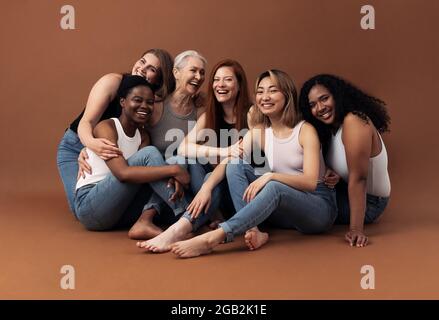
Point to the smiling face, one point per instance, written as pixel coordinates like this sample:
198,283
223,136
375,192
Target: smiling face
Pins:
147,67
322,104
269,99
138,104
191,76
225,85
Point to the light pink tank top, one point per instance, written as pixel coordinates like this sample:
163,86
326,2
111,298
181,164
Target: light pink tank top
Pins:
286,155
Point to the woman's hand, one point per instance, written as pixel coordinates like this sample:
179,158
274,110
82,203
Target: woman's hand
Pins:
237,150
105,149
256,186
179,190
182,175
331,178
84,167
356,238
201,202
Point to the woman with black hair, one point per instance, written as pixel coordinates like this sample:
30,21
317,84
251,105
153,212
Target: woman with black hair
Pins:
115,193
349,123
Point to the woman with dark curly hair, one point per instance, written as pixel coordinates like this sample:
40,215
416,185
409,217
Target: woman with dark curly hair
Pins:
349,123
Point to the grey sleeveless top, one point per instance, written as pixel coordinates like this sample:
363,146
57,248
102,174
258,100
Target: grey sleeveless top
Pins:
171,129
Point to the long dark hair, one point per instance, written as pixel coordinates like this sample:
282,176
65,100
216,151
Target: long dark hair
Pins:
348,98
214,110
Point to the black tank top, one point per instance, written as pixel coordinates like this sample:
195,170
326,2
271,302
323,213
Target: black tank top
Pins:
227,126
112,111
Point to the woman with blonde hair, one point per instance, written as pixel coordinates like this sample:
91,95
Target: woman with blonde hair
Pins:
291,196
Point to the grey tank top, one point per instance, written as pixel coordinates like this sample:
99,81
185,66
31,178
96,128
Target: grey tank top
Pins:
171,129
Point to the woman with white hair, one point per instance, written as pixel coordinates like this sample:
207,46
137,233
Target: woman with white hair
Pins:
170,122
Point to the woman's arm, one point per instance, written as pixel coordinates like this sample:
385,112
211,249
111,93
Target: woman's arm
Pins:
190,148
102,93
357,139
136,174
202,199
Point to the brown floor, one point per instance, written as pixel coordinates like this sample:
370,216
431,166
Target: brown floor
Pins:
39,236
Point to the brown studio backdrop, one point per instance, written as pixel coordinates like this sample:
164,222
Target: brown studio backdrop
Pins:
47,72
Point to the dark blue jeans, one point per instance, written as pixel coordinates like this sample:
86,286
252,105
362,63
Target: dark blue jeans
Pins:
374,205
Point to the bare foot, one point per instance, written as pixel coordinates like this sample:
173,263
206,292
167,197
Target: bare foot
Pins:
200,245
161,243
144,228
255,239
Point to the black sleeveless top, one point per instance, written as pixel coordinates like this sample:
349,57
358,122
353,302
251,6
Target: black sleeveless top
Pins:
225,126
113,110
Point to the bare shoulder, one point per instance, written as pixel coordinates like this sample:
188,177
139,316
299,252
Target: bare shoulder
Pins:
105,129
308,133
352,120
308,128
110,80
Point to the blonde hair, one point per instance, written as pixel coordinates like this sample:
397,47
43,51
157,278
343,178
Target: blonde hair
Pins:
290,114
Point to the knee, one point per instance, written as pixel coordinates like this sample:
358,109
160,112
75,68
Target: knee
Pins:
273,187
145,156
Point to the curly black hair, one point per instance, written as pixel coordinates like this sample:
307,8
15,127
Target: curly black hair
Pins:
348,98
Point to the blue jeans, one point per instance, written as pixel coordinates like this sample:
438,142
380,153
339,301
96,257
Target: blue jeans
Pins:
281,205
110,203
219,197
67,162
374,205
199,174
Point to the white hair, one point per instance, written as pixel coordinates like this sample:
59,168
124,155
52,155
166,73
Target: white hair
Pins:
181,59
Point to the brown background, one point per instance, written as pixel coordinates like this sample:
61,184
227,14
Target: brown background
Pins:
46,75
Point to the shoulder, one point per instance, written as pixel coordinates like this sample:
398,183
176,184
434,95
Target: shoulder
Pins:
307,132
110,80
355,120
105,128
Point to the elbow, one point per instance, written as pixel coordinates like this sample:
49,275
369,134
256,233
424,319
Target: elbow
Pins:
122,176
311,185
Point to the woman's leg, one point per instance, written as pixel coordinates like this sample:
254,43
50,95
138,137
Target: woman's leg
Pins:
239,176
374,205
308,212
105,204
67,162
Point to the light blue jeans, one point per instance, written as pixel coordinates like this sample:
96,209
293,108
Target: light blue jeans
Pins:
111,204
374,205
67,162
199,174
281,205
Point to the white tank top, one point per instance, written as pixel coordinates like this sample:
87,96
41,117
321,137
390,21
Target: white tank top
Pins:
378,181
286,155
127,145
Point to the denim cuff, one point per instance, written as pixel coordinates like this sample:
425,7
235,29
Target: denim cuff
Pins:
155,206
227,230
